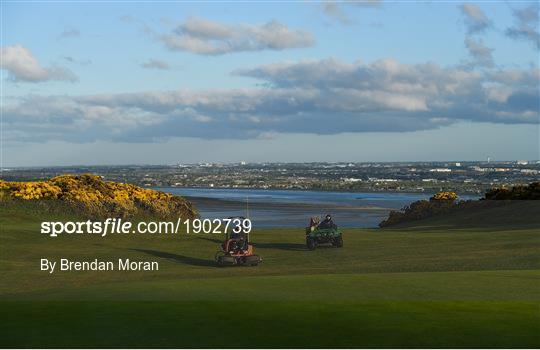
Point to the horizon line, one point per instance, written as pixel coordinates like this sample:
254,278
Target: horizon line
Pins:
4,168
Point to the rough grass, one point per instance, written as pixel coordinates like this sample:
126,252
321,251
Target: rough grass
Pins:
434,285
485,214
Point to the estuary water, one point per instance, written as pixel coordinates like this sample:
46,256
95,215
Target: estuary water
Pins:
292,208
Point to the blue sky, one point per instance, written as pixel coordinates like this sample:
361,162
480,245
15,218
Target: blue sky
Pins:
121,82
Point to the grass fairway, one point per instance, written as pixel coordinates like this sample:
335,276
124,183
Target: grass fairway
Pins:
434,285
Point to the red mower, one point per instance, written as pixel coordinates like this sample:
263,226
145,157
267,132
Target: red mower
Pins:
237,248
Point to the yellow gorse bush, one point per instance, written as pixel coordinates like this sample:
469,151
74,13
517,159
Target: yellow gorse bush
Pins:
100,198
31,190
445,196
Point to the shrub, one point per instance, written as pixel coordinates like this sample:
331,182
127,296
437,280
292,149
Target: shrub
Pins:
444,202
444,196
527,192
439,203
97,198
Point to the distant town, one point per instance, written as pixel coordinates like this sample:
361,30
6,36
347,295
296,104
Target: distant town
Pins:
462,177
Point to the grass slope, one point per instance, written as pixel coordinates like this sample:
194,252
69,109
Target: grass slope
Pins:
435,285
489,214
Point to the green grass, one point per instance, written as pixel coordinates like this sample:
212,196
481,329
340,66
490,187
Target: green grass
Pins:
388,324
432,285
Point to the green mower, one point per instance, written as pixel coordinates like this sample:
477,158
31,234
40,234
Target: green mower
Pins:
321,234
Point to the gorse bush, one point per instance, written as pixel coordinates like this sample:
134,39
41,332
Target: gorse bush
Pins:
94,197
29,190
445,202
438,203
444,196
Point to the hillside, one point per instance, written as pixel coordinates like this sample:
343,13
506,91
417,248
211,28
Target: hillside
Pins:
494,215
518,205
89,195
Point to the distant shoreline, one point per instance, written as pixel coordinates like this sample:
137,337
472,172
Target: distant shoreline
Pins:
217,203
427,193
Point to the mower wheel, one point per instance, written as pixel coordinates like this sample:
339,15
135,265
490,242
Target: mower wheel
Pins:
338,242
225,260
252,260
311,244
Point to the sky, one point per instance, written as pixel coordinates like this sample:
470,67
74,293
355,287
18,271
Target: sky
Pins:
185,82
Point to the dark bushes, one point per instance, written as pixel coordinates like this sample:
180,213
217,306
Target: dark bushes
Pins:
446,202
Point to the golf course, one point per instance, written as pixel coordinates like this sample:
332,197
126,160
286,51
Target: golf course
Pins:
459,281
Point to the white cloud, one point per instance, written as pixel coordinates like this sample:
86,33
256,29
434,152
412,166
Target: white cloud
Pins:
156,64
23,66
339,11
334,11
318,96
206,37
526,27
475,19
481,54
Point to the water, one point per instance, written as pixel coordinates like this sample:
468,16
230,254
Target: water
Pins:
291,208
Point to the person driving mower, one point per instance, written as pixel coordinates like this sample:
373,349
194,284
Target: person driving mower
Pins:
327,223
237,243
237,249
324,232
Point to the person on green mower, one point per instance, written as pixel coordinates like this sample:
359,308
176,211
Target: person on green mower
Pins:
327,223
